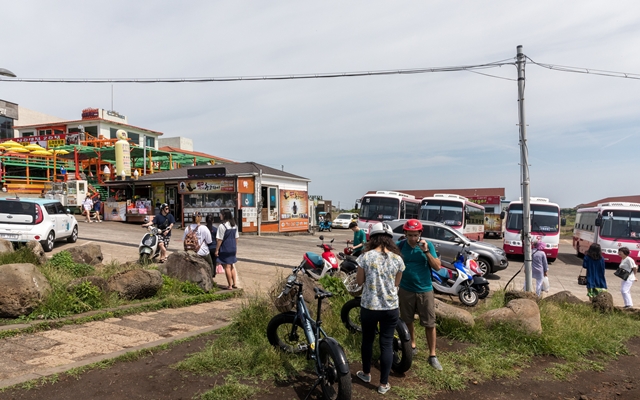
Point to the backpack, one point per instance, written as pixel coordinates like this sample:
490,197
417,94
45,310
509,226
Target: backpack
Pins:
191,240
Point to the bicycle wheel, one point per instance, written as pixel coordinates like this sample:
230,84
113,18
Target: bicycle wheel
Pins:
350,315
335,385
283,335
402,351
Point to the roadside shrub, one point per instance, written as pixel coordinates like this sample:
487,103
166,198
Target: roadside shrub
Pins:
21,255
89,294
172,286
63,261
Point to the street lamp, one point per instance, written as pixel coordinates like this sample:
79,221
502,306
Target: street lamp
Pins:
6,72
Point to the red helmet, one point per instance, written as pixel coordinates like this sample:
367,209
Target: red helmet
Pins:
413,225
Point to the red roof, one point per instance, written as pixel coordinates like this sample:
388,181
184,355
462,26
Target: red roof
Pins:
626,199
420,193
193,153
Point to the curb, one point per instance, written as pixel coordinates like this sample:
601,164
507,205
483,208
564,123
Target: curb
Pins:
64,368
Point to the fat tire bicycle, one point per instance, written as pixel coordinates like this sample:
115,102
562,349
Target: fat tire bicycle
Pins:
330,360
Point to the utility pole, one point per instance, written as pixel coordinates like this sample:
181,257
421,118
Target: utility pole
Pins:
524,166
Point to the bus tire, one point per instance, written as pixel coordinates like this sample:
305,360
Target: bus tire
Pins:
551,259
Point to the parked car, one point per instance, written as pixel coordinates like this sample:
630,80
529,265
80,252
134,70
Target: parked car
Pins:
449,243
343,220
44,220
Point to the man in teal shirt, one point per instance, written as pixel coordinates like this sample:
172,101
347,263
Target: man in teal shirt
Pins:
359,239
416,290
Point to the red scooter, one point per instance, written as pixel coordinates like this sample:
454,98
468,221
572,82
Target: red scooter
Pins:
318,266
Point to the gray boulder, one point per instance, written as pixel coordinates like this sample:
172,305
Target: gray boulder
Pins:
523,313
6,246
563,297
90,253
519,294
187,266
36,248
136,283
603,302
449,312
22,288
96,281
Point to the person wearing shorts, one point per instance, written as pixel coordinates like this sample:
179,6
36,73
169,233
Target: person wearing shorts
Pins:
416,290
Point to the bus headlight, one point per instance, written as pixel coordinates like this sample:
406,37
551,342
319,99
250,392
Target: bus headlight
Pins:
610,251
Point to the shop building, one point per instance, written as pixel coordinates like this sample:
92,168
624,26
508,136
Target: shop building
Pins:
261,198
8,115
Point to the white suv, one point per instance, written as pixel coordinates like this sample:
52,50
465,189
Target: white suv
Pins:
46,221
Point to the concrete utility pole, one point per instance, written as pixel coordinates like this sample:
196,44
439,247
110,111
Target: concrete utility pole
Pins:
524,165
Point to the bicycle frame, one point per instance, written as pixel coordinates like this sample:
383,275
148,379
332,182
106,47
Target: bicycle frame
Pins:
313,335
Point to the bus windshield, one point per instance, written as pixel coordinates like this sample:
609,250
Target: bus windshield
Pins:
379,209
544,218
620,224
443,211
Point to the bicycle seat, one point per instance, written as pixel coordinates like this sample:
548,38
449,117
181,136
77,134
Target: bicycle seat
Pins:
321,294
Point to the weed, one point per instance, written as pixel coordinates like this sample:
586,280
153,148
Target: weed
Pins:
22,255
232,389
64,262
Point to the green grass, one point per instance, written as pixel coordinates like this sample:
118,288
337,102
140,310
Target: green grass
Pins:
576,335
62,302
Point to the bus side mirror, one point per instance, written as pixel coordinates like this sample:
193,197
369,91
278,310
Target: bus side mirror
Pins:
599,220
502,215
563,222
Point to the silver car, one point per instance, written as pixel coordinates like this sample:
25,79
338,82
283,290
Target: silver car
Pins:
449,243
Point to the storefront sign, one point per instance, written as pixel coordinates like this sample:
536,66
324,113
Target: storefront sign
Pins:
206,186
484,199
246,185
56,143
294,205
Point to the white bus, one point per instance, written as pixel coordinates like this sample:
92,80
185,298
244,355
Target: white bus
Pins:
545,226
611,225
386,206
456,211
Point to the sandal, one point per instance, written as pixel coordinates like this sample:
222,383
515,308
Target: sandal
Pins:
234,286
162,260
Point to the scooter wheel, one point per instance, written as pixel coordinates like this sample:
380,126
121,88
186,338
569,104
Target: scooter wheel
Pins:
468,297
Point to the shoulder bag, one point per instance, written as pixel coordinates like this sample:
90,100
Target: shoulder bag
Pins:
622,273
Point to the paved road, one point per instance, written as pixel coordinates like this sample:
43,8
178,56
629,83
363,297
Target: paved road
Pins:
262,260
264,257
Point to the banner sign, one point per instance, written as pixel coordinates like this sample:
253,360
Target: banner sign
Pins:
294,205
206,186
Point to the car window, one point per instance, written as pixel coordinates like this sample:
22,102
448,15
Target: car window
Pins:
17,207
51,209
344,216
441,233
399,229
60,209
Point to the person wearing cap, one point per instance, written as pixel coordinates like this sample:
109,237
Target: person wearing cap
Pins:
416,289
379,271
164,220
204,239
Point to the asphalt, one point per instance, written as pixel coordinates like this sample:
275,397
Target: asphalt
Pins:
262,259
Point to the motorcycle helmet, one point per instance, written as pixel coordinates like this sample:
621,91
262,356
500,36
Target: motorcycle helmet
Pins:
380,228
412,225
163,206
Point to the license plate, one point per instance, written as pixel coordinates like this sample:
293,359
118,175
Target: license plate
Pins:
8,236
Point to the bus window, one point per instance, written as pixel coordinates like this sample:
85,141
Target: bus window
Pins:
379,209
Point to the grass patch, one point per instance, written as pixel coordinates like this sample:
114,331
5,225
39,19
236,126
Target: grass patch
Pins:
63,302
231,389
576,335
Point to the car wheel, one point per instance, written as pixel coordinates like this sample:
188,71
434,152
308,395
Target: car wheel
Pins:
74,235
484,266
47,244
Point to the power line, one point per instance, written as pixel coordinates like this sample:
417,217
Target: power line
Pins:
590,71
470,68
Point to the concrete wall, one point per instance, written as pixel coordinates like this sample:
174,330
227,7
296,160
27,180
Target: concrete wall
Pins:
31,117
179,142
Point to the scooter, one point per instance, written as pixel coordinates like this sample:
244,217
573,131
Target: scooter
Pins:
148,247
460,283
317,266
324,225
470,260
348,264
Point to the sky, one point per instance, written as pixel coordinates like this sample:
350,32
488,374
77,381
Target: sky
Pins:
349,135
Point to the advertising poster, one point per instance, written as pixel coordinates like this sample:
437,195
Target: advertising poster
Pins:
206,186
293,210
158,192
115,211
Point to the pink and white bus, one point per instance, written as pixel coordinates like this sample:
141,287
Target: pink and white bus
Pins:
611,225
386,206
545,226
456,211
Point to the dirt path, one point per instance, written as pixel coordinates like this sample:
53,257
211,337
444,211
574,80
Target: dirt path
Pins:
153,377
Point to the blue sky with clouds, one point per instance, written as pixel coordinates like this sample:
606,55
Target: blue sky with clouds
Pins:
350,135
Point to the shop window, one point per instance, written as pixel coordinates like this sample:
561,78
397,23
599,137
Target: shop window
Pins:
27,134
44,132
269,203
135,138
151,142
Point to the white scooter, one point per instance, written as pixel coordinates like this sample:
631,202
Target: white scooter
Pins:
459,283
149,248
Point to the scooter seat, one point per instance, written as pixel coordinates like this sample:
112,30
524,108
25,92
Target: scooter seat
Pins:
313,260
